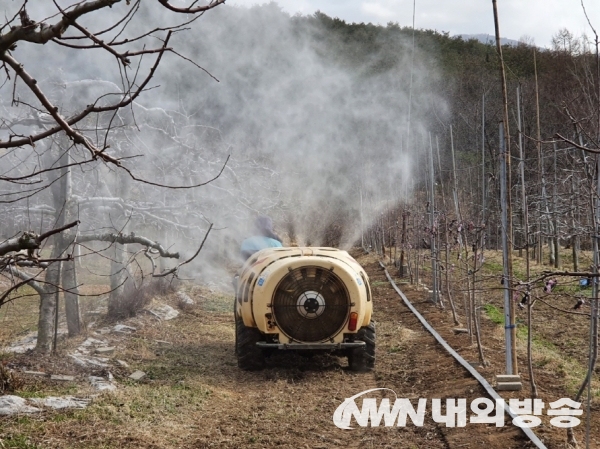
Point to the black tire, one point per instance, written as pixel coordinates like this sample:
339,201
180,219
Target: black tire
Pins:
249,356
363,359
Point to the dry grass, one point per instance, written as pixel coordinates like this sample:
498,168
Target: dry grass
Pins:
560,340
19,316
194,395
10,381
135,297
179,358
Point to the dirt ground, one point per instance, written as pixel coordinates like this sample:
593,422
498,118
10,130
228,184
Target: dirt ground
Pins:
555,372
194,396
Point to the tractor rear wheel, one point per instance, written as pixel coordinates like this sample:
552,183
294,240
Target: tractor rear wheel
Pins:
249,356
363,359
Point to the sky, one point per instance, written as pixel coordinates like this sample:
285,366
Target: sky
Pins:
538,19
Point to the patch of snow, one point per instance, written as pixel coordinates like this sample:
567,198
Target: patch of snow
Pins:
163,311
82,355
35,373
102,384
137,375
105,350
124,329
91,342
59,403
86,360
11,405
23,345
62,378
185,299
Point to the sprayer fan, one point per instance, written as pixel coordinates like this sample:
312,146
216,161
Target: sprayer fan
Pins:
311,304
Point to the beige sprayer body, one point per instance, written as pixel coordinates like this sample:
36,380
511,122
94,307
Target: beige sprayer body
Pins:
263,273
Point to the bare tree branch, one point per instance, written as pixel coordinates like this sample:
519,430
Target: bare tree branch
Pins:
30,241
177,187
25,279
65,124
576,145
124,239
191,9
28,30
175,269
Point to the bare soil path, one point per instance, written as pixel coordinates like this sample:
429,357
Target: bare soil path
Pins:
194,396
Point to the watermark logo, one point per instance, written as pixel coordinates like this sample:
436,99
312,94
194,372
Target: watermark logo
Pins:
401,410
378,412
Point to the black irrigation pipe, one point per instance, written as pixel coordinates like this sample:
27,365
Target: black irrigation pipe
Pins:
484,383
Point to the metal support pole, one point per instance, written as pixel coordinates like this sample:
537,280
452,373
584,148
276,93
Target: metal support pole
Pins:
434,273
483,171
506,281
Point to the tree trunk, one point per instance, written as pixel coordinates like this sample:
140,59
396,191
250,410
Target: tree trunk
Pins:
118,277
48,305
71,293
574,230
49,296
447,273
61,194
69,272
402,245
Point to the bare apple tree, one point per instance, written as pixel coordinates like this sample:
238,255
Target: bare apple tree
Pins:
57,133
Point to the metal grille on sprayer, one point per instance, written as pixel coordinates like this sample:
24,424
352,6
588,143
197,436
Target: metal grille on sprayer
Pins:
311,304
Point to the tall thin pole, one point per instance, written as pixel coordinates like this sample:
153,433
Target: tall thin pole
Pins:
505,250
483,170
508,204
432,223
57,307
525,211
467,304
447,239
417,252
555,212
362,226
410,88
522,173
540,256
547,221
455,185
